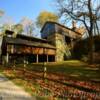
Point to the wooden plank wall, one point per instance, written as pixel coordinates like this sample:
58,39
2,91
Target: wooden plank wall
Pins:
29,50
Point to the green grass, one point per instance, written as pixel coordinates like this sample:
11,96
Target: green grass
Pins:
72,68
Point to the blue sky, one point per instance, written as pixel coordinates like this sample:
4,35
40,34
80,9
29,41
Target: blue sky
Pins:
17,9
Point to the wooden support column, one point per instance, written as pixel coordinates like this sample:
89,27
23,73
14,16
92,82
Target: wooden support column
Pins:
37,58
72,43
12,49
47,58
7,58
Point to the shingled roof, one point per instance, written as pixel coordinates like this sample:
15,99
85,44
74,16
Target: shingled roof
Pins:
18,41
26,37
70,29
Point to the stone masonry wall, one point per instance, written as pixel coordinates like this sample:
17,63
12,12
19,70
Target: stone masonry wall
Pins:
61,47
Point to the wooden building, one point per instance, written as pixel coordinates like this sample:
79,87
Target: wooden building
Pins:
63,38
26,49
56,44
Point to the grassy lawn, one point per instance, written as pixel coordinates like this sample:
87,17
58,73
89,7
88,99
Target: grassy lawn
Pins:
72,68
69,77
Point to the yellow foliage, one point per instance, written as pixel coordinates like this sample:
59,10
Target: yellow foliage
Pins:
46,16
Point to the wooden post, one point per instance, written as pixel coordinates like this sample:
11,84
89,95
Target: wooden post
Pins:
45,71
7,56
44,66
24,65
24,62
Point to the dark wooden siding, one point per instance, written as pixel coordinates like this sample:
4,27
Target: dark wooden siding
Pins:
49,29
17,49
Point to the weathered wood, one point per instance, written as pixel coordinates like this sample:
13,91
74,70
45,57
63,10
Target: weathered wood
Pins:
29,50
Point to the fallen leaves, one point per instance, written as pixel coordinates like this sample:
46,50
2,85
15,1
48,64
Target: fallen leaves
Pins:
36,84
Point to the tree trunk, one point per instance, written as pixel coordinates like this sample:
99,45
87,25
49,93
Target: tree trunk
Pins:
91,49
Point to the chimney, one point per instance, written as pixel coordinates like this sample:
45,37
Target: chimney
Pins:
73,24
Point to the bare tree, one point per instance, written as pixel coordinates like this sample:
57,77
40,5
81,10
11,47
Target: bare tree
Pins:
28,26
18,28
86,12
7,24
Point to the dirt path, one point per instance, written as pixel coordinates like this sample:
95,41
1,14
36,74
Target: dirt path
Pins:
9,91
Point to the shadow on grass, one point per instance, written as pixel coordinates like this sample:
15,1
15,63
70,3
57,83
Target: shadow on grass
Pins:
77,70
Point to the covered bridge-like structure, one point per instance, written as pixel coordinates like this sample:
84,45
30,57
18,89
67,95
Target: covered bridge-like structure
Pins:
22,48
